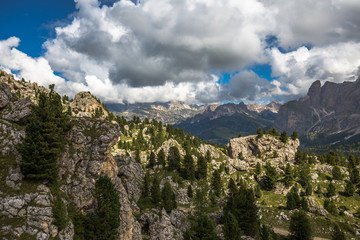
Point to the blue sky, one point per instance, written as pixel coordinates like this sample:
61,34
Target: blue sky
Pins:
33,21
195,51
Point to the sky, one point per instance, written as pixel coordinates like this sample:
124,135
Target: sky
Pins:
196,51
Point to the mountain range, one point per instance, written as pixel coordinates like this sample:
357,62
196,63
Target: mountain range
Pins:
328,115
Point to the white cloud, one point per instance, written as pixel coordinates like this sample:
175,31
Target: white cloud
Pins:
162,50
34,69
296,70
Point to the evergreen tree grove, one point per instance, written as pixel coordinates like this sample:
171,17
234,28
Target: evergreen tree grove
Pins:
105,221
44,138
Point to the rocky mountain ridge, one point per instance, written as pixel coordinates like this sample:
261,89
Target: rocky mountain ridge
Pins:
331,111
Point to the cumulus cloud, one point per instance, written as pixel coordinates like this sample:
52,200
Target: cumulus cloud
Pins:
296,70
315,22
162,50
34,69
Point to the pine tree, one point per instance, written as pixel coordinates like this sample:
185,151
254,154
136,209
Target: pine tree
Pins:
189,169
105,221
44,140
283,137
155,191
265,232
240,156
354,175
338,234
292,199
331,190
289,175
216,183
294,135
151,163
161,158
201,171
270,178
304,174
336,173
349,189
231,230
304,204
174,159
243,207
300,226
257,169
168,197
190,192
232,187
208,156
146,186
203,228
259,132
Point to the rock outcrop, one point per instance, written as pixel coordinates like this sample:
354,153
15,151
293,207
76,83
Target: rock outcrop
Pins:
85,105
254,149
13,109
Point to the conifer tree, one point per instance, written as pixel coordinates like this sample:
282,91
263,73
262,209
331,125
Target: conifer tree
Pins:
216,183
265,233
331,190
161,158
151,163
243,207
259,132
294,135
289,175
240,156
336,173
146,185
104,222
354,175
201,171
304,174
232,187
283,137
349,189
300,226
257,169
168,197
202,228
231,228
155,190
189,168
190,192
292,199
208,156
270,178
174,159
44,138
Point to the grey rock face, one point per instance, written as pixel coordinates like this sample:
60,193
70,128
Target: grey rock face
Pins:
18,111
5,95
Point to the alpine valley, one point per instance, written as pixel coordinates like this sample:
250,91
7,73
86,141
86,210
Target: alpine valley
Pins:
72,169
